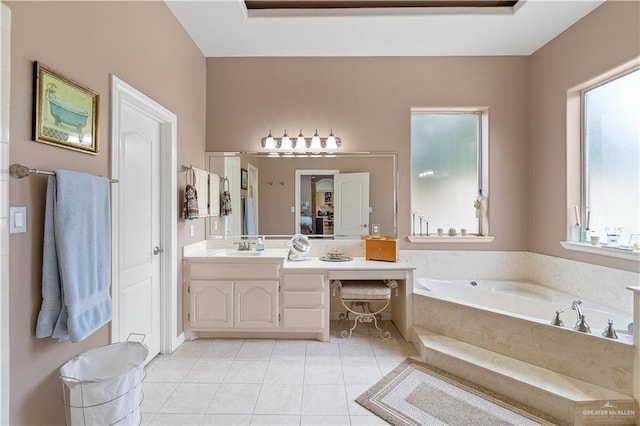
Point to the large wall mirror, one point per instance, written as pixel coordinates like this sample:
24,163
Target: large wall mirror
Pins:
322,196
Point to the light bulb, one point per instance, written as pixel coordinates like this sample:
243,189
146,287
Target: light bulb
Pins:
331,141
315,141
300,142
285,143
268,142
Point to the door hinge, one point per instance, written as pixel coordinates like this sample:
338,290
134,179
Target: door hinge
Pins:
189,289
188,316
279,315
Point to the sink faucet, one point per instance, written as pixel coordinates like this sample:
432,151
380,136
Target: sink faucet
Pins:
581,324
244,246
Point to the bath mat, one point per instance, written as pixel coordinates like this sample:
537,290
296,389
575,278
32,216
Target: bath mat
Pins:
417,394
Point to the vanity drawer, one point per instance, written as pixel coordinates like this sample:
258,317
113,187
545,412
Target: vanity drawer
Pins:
303,281
303,299
310,319
234,271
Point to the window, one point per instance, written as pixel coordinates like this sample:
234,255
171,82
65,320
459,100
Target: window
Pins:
611,155
446,170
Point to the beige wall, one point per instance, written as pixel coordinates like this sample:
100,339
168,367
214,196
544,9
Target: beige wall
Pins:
605,39
143,44
367,102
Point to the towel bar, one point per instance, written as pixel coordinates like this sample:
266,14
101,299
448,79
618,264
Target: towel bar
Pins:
19,171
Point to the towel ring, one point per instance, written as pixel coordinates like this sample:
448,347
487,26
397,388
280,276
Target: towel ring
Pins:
189,173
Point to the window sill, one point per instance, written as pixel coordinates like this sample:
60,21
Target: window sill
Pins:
604,251
447,239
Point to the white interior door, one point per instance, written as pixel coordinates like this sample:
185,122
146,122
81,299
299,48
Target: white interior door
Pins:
144,216
351,203
139,230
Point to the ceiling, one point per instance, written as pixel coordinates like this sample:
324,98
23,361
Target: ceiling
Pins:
235,28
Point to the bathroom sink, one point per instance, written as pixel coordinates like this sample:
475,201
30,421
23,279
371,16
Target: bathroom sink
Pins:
241,253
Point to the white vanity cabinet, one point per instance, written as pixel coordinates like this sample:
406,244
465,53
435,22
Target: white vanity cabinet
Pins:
256,304
249,295
230,296
210,304
305,303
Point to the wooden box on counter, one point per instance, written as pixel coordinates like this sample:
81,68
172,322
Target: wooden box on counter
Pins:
381,248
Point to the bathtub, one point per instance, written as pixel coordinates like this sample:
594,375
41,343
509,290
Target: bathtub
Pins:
514,318
526,300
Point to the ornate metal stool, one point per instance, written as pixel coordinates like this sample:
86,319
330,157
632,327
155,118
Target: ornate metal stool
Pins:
362,294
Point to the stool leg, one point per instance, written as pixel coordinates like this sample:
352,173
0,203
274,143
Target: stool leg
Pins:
384,335
345,315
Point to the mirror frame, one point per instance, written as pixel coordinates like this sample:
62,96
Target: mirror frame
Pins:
266,154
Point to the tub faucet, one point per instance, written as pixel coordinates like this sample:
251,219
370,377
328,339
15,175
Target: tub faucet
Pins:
556,320
581,324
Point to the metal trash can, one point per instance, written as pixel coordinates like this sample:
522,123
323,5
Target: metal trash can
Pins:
103,386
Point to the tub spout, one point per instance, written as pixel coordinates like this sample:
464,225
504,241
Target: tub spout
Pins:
581,324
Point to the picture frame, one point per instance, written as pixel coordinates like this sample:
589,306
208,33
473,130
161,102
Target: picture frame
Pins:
244,179
65,112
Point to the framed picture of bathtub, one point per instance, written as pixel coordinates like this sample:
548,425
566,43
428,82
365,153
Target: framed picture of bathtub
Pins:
65,111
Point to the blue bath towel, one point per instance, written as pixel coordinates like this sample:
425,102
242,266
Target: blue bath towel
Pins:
76,270
249,221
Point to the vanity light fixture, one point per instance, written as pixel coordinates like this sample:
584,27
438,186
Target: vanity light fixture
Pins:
300,143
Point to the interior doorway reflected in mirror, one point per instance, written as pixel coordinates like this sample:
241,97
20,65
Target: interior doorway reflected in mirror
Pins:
316,203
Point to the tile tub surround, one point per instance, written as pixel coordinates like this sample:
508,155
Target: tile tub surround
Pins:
607,286
446,264
597,360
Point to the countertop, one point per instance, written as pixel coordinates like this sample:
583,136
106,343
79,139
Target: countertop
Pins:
358,263
201,252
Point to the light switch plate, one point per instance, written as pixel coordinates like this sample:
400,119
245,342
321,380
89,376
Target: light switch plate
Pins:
17,220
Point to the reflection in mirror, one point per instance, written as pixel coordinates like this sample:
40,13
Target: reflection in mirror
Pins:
352,190
314,202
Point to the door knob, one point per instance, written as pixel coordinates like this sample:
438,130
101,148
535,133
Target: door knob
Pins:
157,250
365,226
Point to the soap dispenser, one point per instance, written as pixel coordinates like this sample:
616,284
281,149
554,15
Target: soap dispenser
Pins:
260,244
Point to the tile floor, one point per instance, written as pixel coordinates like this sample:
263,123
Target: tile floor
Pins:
271,382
